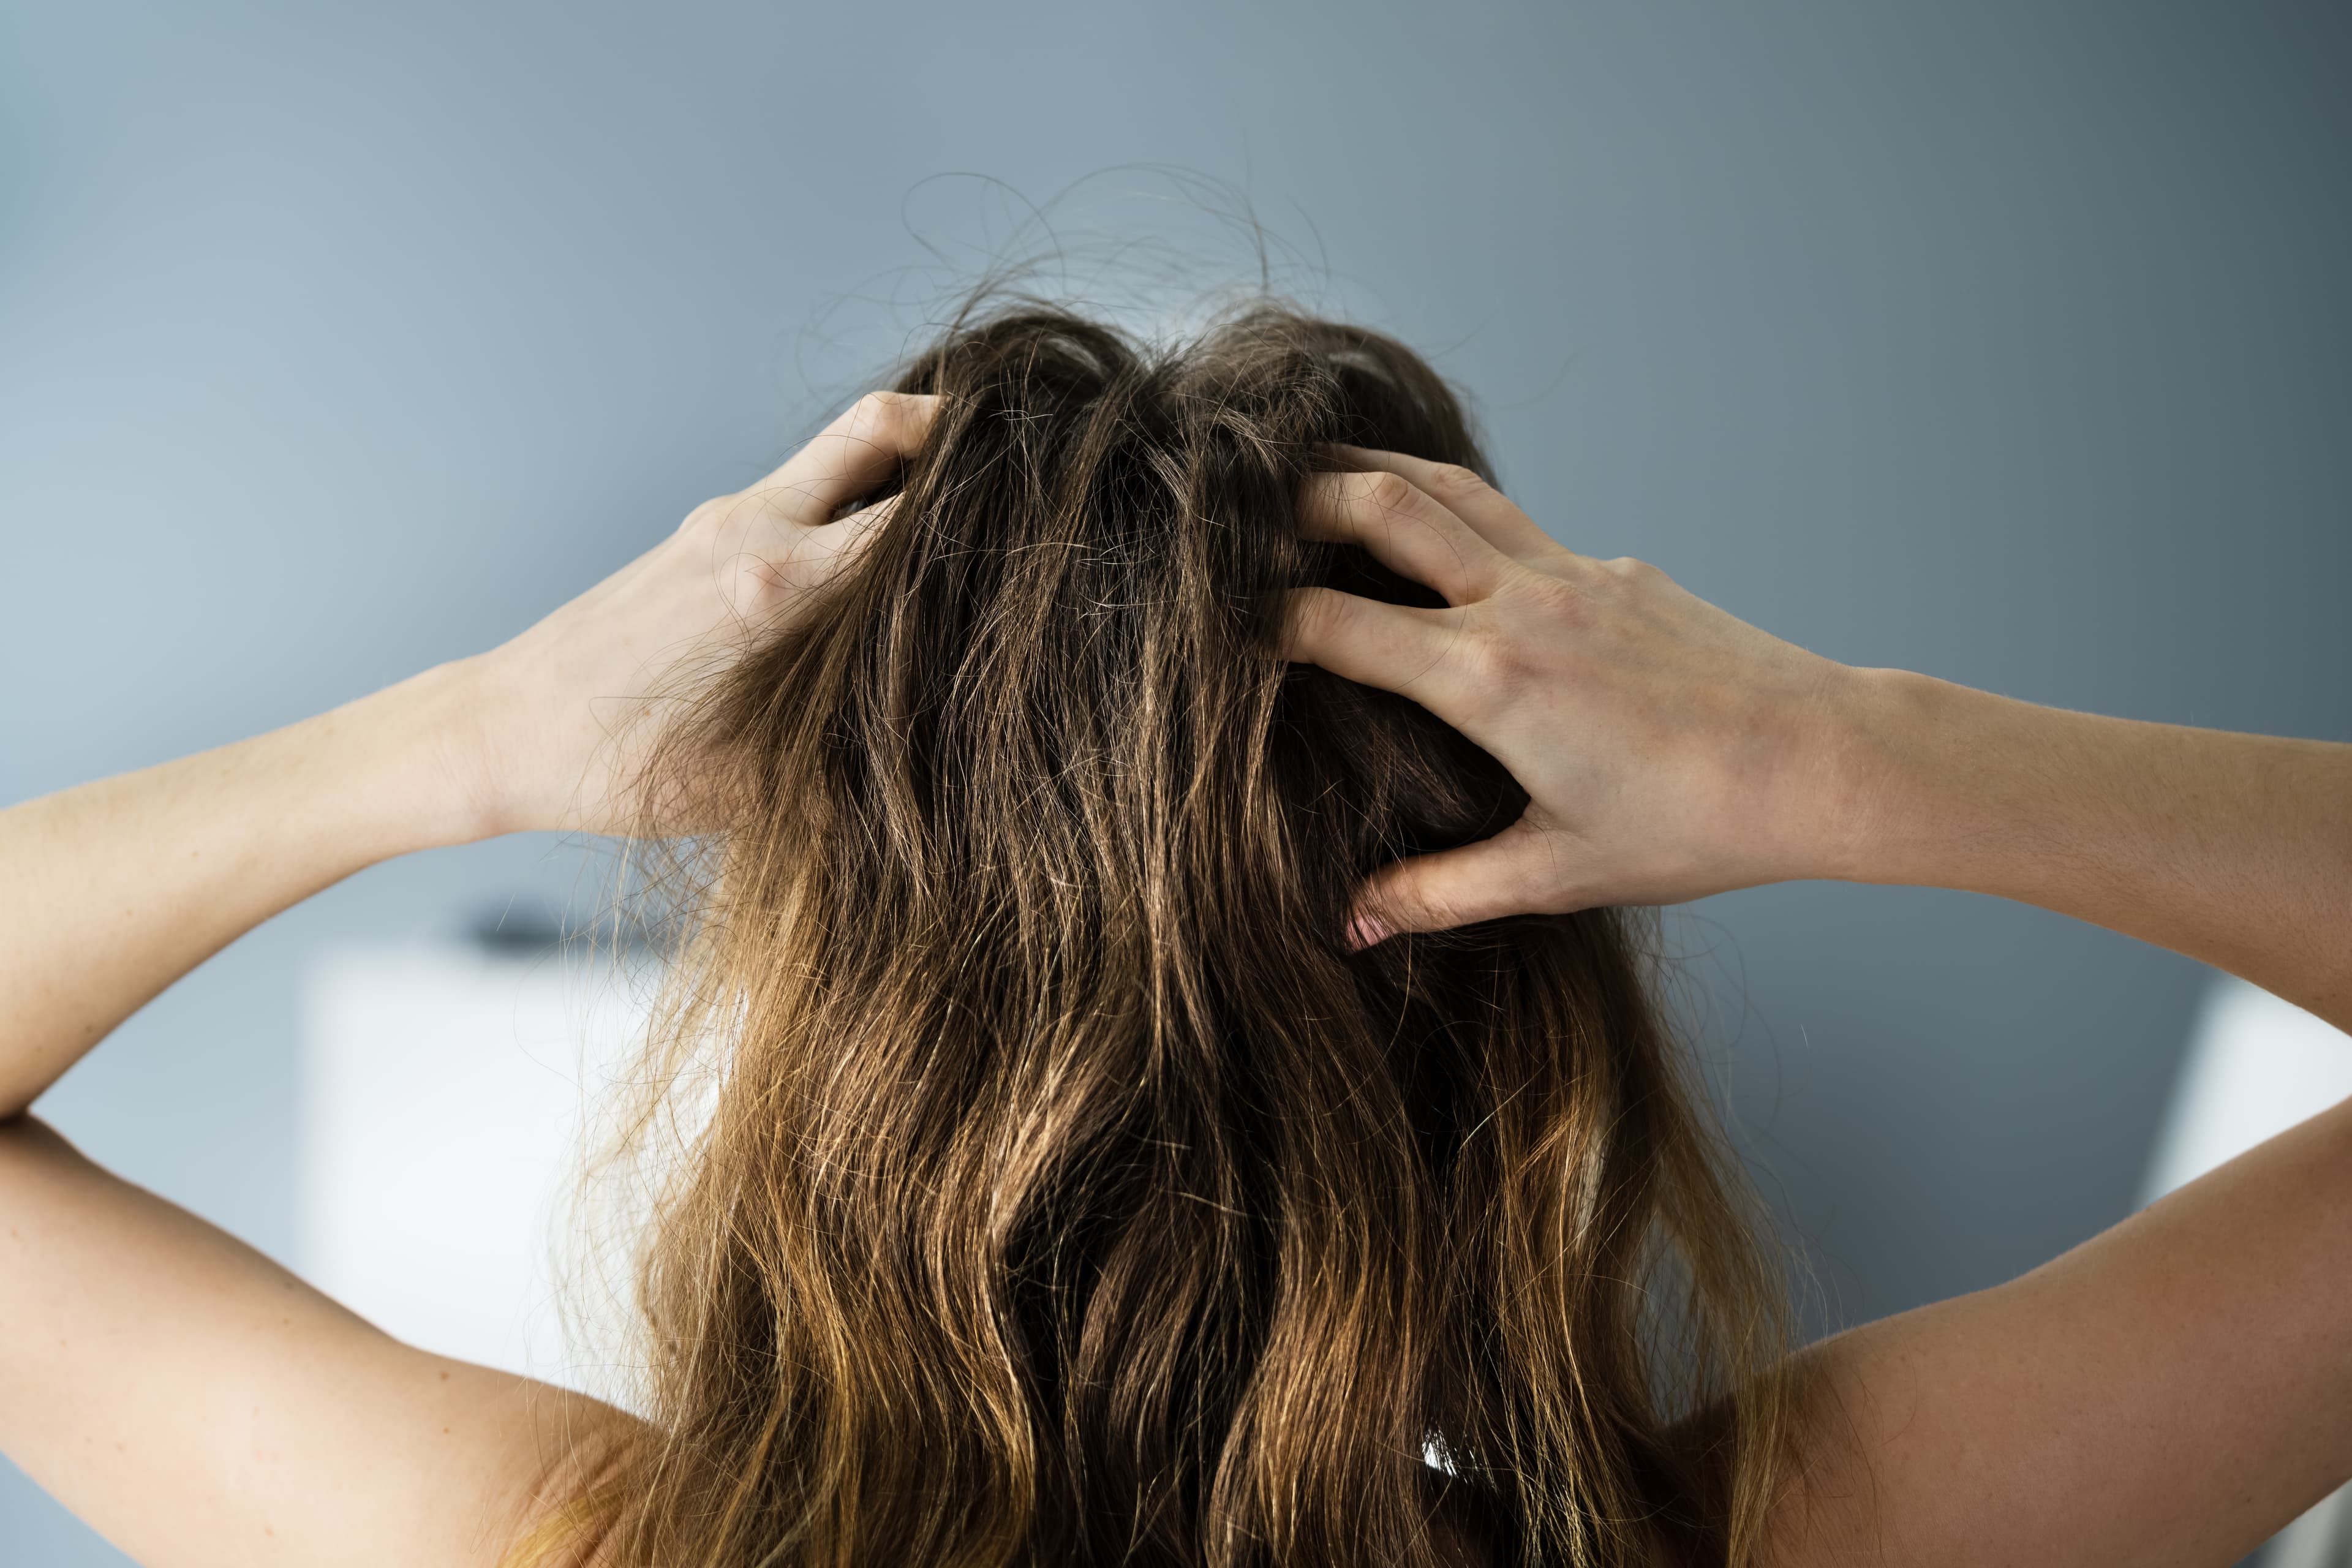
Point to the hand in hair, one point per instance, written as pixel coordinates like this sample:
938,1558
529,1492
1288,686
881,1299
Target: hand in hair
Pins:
1669,750
566,709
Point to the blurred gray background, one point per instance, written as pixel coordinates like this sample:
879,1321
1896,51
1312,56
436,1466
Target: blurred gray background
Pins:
2008,341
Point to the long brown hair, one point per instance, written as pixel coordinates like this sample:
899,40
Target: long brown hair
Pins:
1071,1193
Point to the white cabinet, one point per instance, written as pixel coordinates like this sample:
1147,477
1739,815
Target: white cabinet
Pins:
448,1094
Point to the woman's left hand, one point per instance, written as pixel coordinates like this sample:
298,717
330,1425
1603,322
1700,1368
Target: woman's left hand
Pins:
560,716
1668,749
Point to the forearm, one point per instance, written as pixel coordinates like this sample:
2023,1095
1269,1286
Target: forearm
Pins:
116,889
2234,849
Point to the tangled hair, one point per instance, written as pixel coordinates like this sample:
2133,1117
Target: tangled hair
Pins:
1071,1193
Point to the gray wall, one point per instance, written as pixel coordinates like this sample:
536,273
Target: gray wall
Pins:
2003,340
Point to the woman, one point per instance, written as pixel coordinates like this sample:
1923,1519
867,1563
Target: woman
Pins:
1187,1089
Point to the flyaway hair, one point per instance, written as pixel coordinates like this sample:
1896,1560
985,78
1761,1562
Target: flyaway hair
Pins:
1070,1193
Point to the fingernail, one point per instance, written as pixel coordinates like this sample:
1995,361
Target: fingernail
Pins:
1367,929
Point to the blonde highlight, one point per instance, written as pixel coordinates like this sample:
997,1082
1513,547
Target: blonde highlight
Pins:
1069,1191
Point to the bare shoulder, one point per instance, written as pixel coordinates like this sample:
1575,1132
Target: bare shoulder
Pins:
562,1514
198,1404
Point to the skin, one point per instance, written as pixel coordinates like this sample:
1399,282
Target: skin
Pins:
194,1402
2169,1393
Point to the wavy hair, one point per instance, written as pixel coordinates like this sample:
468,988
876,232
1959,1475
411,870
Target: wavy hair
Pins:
1070,1192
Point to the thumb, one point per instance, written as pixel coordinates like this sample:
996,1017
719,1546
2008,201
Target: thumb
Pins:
1515,872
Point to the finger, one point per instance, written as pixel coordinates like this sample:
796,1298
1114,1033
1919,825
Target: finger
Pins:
1404,528
849,457
838,543
1394,646
758,584
1514,873
1494,516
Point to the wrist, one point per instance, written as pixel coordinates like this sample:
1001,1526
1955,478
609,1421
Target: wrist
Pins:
1927,773
417,746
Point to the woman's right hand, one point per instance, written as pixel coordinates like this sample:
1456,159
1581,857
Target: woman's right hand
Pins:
1669,750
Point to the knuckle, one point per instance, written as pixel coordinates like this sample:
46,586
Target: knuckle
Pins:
880,409
1496,668
704,519
1453,479
896,417
1579,583
749,584
1388,492
1554,599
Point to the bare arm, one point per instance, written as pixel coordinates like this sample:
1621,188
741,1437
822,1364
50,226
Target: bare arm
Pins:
2234,849
184,1394
118,888
2174,1390
188,1397
198,1404
2178,1388
2171,1391
1671,752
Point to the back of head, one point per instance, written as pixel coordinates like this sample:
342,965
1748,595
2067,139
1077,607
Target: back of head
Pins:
1074,1194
